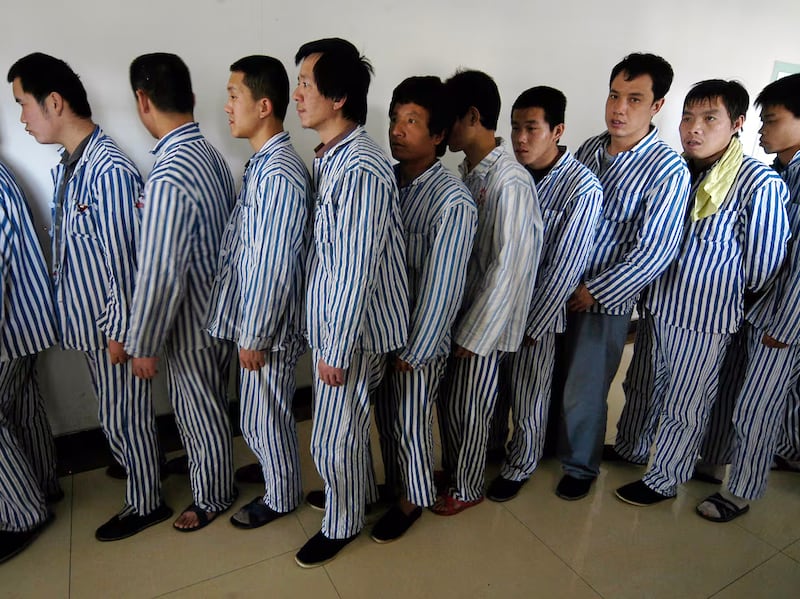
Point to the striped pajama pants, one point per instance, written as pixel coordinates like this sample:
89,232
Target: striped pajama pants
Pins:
644,395
197,386
22,416
404,412
789,438
340,442
470,398
691,361
127,417
268,424
529,376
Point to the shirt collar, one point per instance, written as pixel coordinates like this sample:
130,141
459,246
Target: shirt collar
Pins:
793,163
71,159
271,144
643,144
340,139
182,134
484,165
422,177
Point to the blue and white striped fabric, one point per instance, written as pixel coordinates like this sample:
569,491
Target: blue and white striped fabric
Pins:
645,191
739,249
27,321
96,251
571,201
259,291
440,219
357,282
188,198
505,255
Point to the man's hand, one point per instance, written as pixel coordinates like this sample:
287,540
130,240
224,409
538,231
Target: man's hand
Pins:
581,300
772,342
252,359
330,375
116,351
145,368
402,365
462,352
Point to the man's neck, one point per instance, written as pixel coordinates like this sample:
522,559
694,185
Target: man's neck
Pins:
75,132
548,160
333,128
267,132
411,169
166,122
617,145
786,156
481,146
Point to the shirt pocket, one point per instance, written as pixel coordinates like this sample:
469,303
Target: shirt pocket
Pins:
80,220
717,228
621,207
324,231
551,220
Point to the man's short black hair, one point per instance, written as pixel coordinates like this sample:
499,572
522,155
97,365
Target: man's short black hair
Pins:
552,101
166,81
265,77
783,92
474,88
428,92
636,64
341,73
40,75
732,94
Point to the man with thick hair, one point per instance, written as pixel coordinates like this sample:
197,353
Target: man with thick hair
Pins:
187,200
258,299
95,229
27,326
499,286
440,219
734,241
645,186
749,423
357,287
571,199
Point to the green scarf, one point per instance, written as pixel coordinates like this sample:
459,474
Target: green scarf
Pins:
718,182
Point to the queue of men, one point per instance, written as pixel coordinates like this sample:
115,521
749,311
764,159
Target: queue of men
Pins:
413,288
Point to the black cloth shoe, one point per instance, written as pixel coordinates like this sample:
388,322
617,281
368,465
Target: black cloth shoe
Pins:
251,474
255,514
611,455
54,496
117,471
319,550
177,465
503,489
14,542
394,524
639,494
572,489
122,527
496,455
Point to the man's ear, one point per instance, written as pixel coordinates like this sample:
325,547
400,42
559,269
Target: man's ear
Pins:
142,102
338,104
558,131
739,123
474,116
656,107
265,108
54,103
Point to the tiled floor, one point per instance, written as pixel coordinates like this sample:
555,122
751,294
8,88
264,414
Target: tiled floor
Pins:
534,546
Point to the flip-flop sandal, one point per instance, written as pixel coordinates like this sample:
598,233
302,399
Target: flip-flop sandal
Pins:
203,519
727,510
257,514
448,505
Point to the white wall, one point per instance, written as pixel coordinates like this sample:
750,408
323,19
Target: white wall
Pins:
569,44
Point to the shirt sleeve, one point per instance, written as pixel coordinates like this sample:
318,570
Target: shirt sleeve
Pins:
117,192
515,257
167,226
273,256
442,284
359,236
767,234
571,255
657,244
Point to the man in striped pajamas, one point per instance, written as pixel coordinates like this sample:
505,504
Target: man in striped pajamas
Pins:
499,286
734,243
357,288
752,426
27,326
645,186
258,297
571,199
440,219
95,226
188,198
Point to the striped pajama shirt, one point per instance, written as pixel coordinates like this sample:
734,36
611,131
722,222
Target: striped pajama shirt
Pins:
357,312
644,196
497,297
699,303
188,199
27,452
258,302
440,219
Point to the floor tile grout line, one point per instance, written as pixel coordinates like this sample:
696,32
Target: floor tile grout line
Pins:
738,578
333,584
551,550
791,557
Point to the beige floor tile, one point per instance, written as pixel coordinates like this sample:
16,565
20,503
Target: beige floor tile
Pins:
778,578
42,570
483,552
274,578
664,550
793,551
161,559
